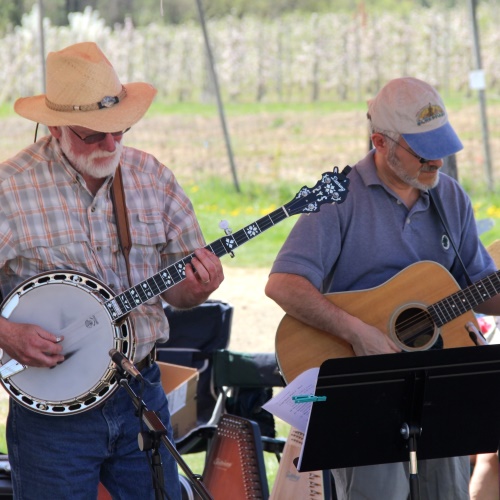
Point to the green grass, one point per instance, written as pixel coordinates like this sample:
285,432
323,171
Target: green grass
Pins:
453,101
159,107
251,108
4,409
486,206
217,200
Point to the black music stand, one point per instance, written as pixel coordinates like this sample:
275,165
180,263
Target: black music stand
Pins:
378,409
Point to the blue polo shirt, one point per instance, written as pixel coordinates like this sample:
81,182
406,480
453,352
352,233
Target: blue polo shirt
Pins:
371,236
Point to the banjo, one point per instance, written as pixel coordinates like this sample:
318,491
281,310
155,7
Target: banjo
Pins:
94,320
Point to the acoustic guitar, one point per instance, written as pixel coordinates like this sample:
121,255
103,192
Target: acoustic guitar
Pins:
420,308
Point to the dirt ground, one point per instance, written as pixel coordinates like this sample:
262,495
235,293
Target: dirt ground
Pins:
255,316
271,146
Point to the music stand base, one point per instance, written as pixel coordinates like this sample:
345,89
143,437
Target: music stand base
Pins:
157,429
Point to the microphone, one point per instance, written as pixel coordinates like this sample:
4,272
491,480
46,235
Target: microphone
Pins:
125,364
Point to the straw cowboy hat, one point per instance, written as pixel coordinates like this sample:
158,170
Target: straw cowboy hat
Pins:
83,89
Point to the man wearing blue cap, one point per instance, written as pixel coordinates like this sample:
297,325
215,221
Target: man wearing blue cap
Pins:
387,223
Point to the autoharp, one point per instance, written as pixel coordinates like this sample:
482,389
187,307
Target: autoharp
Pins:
235,462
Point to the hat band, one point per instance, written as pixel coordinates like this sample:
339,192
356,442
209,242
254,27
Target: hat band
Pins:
106,102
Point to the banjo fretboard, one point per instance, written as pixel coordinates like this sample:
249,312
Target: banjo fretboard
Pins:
332,188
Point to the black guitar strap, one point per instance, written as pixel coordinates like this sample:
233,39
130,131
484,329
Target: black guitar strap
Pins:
436,200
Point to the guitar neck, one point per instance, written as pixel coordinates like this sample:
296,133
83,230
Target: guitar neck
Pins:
122,304
460,302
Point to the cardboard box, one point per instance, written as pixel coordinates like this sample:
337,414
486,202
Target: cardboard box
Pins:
180,384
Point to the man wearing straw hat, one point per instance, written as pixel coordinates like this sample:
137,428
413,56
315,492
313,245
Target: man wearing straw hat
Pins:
57,213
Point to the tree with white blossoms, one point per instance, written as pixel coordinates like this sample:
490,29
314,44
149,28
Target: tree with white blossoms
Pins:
296,58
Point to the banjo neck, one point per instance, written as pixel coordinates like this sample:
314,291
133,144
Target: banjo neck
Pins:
123,303
331,188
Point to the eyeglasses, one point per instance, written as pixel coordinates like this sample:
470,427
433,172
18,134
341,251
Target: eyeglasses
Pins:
419,158
94,138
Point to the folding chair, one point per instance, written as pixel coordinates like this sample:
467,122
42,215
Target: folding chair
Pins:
194,335
229,382
243,383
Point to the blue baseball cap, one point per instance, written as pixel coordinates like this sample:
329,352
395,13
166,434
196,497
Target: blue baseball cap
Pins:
415,110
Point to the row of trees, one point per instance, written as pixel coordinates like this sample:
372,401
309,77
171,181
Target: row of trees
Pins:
143,12
298,57
294,58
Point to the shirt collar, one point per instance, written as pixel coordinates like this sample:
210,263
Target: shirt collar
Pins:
368,171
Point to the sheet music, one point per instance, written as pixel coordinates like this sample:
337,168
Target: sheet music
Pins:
284,407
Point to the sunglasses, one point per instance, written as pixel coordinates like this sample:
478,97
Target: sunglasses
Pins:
94,138
419,158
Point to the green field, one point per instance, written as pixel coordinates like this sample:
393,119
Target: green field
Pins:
257,200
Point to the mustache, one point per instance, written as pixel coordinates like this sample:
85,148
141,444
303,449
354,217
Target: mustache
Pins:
95,155
429,168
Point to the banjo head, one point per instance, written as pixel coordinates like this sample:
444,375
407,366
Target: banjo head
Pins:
71,305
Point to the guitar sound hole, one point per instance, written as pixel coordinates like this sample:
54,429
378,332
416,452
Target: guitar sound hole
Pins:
414,328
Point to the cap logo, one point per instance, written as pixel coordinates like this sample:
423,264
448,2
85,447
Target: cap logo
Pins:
429,113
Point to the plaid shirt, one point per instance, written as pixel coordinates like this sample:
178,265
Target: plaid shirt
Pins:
49,220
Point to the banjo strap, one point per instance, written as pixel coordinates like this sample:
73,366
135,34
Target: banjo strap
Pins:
122,224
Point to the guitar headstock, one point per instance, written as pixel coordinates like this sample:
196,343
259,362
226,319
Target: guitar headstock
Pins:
331,188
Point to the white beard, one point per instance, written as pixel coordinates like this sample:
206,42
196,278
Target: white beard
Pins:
87,164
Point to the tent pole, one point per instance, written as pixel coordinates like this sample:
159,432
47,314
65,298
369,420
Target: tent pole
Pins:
217,92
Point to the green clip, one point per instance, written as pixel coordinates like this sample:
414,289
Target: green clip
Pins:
308,398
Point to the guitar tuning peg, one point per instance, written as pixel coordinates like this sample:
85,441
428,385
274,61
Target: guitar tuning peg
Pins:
224,225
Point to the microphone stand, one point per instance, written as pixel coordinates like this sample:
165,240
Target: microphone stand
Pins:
158,433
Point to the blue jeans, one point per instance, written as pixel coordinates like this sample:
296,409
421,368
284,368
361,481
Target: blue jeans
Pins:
66,456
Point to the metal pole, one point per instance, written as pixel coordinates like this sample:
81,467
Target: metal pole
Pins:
42,42
482,97
41,34
217,92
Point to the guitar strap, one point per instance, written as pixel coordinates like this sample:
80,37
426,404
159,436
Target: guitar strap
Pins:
122,224
436,200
